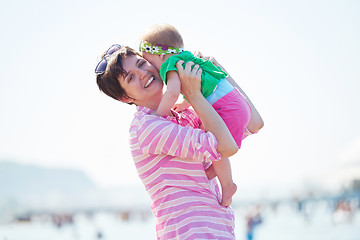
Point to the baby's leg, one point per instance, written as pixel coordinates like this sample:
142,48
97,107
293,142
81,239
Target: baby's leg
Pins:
235,112
223,171
255,117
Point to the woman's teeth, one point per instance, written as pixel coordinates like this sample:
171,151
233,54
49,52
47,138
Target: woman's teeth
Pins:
149,81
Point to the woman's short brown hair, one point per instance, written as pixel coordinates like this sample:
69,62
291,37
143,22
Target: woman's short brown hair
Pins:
108,81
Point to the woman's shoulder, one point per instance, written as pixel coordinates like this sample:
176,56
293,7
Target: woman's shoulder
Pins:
143,118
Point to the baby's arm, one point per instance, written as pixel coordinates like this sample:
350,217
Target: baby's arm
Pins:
171,95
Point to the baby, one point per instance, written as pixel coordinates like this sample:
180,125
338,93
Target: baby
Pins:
162,46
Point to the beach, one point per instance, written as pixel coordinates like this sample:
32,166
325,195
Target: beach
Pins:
285,221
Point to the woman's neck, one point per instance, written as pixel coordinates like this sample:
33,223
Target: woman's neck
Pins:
153,105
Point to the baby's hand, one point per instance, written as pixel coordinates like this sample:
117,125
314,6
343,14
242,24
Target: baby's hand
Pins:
181,106
210,172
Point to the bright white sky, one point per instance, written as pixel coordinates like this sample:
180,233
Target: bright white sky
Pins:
297,60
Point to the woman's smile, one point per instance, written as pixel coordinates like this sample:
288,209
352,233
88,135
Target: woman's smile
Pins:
149,81
142,82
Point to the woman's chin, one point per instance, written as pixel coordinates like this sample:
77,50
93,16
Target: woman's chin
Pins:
157,83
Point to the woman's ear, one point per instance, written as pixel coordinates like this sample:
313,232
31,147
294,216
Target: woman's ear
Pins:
127,100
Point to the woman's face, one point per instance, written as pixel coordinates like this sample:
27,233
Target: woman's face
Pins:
142,83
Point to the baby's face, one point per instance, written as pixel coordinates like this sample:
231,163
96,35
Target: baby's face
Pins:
154,59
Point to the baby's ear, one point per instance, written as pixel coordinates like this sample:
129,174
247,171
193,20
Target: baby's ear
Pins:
162,56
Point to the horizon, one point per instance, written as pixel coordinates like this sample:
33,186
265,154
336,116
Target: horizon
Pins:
309,189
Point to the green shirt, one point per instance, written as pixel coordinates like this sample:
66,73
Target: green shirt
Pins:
210,77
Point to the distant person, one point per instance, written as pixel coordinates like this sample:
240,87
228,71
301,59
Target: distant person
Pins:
162,45
99,234
253,219
343,212
169,152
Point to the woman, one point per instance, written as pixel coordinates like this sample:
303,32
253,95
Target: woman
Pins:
170,152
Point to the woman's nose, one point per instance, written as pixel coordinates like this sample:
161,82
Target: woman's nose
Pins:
142,73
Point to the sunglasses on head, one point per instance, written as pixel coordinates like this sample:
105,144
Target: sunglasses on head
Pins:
101,67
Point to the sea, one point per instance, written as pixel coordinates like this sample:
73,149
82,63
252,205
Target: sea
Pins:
278,222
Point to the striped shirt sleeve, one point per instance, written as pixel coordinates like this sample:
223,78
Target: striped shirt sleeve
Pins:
160,136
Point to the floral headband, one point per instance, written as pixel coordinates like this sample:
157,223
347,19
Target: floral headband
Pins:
158,49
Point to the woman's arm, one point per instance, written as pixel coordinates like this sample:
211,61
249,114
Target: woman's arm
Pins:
191,88
256,122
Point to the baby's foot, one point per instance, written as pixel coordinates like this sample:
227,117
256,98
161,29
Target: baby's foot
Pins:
227,193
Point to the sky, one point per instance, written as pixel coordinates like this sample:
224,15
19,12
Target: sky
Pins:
298,61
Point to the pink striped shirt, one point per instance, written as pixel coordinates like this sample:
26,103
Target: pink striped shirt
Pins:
169,155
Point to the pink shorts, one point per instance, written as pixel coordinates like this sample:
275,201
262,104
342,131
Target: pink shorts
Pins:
235,112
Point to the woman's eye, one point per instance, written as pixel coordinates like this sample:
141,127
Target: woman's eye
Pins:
131,78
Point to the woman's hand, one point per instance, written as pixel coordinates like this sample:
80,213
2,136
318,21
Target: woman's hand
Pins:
190,78
191,88
210,58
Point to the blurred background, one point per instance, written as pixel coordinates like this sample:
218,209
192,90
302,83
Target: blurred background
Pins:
65,165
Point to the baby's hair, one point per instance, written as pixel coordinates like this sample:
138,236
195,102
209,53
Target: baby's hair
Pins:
163,34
